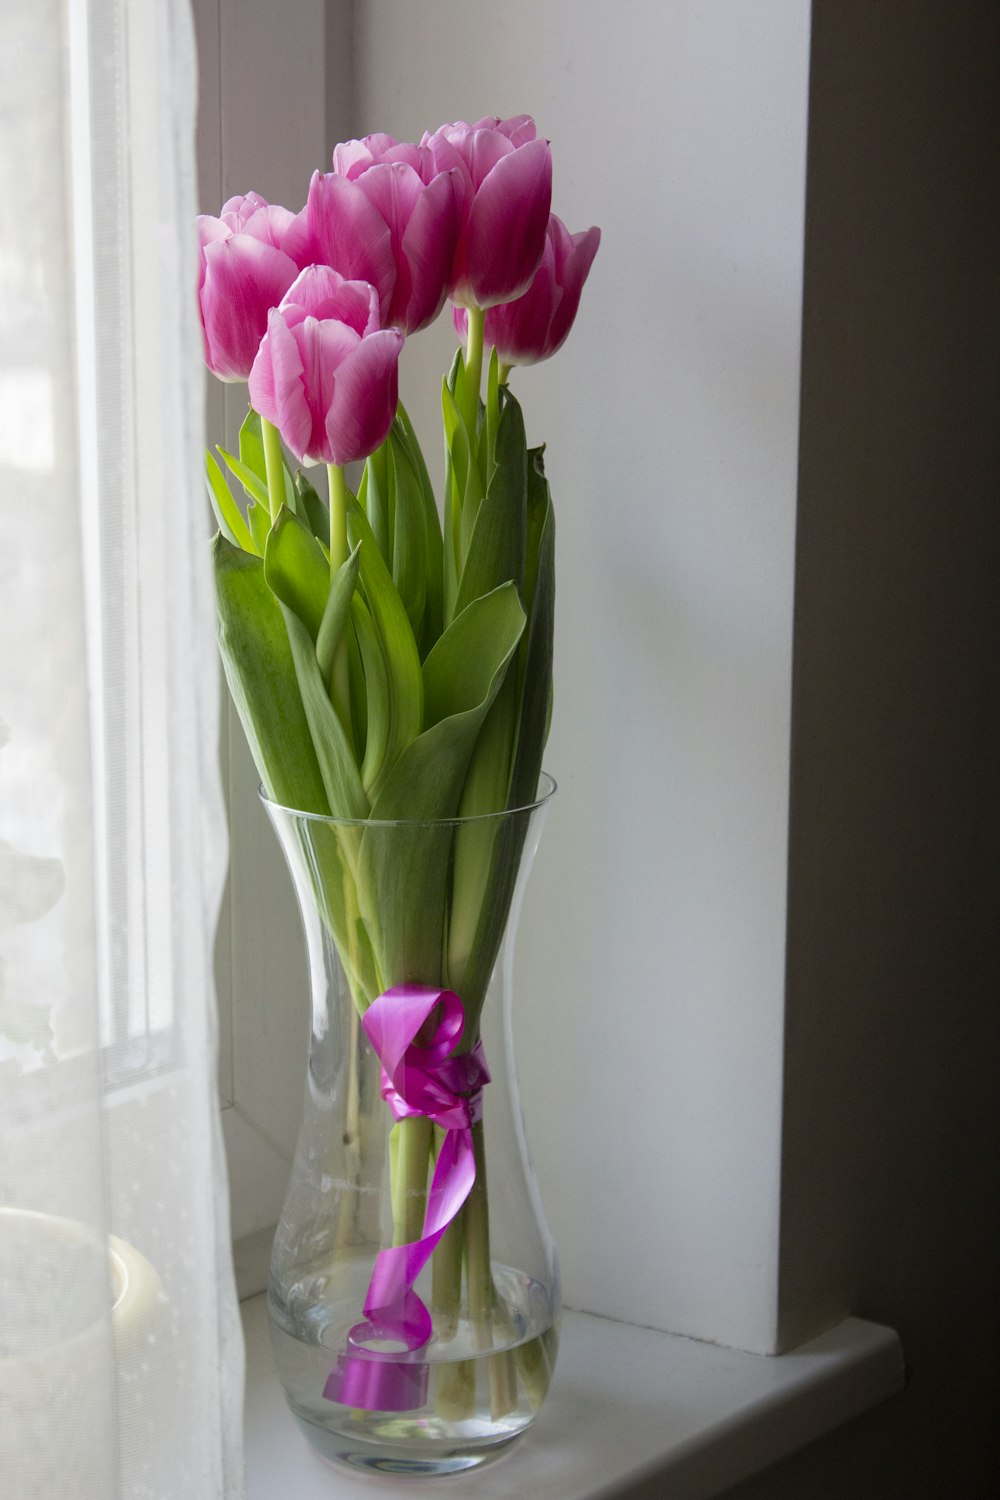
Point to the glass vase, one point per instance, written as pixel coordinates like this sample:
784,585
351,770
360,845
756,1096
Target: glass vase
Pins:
413,1291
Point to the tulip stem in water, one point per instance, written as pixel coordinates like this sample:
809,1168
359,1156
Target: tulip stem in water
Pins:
474,368
340,684
274,467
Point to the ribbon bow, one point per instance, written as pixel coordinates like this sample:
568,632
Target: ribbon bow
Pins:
417,1079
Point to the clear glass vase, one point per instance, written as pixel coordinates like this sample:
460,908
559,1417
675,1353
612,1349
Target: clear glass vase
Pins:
445,1369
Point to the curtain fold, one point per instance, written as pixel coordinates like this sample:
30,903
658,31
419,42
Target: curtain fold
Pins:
120,1350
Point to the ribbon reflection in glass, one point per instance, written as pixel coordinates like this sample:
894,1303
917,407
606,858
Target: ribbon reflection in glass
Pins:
417,1079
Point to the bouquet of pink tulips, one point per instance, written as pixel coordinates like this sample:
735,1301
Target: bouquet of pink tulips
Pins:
389,662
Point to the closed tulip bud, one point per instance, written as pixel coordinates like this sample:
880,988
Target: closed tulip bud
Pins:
534,326
505,177
326,371
245,271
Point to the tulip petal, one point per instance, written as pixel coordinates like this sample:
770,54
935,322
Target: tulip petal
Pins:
365,393
345,231
506,231
243,279
428,250
322,346
321,292
276,386
573,274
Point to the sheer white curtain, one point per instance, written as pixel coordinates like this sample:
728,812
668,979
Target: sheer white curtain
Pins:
120,1353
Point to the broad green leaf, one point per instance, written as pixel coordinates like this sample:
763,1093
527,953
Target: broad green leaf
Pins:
376,501
399,649
378,716
535,657
259,521
487,854
335,614
358,692
296,569
256,489
252,446
496,550
460,669
409,534
458,460
344,791
231,523
403,881
310,508
259,669
434,602
491,421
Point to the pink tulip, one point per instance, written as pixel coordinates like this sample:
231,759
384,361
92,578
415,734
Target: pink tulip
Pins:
506,186
245,271
374,218
534,326
326,371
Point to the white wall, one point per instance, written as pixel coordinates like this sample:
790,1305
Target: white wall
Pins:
650,1027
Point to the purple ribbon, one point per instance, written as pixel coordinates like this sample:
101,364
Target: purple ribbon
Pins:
417,1079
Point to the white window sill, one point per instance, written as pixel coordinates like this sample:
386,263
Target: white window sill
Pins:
628,1405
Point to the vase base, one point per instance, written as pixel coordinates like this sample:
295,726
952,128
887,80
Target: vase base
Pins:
380,1458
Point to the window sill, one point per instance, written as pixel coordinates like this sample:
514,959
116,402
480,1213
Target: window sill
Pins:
629,1406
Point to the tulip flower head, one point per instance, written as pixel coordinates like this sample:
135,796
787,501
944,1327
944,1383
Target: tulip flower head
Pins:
534,326
505,176
379,222
326,371
245,270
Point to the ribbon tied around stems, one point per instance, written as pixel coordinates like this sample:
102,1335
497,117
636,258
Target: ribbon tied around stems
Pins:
418,1078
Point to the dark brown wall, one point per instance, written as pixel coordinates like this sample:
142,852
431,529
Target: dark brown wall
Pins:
891,1126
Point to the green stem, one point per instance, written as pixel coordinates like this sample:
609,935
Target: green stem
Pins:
340,687
503,374
338,516
501,1372
410,1159
274,467
446,1266
473,371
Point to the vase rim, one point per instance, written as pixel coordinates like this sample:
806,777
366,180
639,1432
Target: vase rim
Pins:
547,787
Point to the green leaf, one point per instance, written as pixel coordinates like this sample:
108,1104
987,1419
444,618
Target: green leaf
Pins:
344,791
310,508
378,714
409,534
296,569
256,489
434,602
487,853
335,614
403,882
491,420
399,649
462,670
259,521
375,480
259,669
231,523
252,446
496,550
535,671
457,459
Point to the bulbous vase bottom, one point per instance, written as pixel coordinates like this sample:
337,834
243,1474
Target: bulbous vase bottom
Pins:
381,1456
478,1403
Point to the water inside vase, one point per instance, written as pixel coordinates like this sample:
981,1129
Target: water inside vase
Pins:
478,1399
